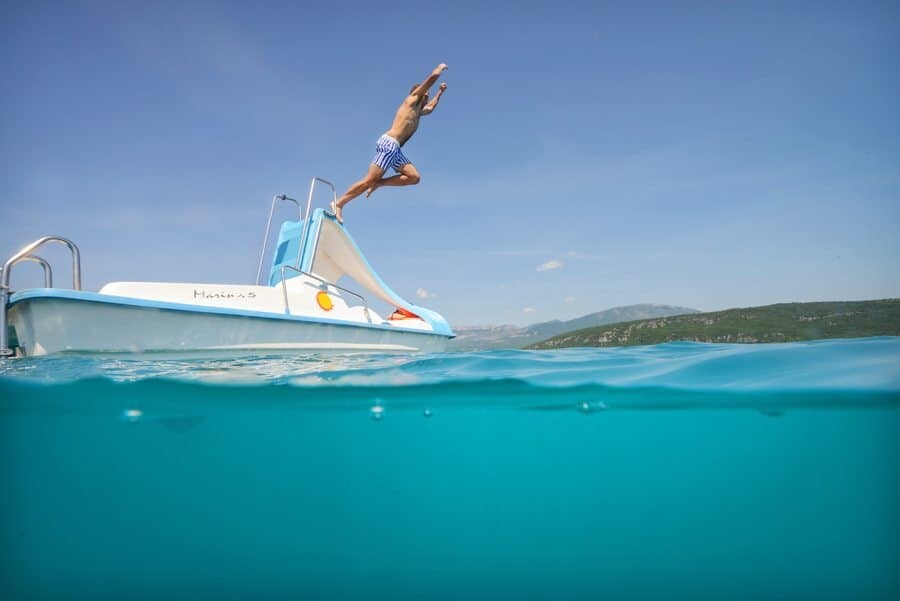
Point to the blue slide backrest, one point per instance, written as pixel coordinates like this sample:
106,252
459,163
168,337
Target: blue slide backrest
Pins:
286,250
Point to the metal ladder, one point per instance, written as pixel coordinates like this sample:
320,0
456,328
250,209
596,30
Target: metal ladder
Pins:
26,255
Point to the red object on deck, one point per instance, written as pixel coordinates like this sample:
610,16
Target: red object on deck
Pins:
402,313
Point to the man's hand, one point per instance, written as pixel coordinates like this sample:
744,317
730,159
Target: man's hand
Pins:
428,108
432,79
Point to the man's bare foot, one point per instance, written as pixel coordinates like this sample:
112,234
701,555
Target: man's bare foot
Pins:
371,190
337,212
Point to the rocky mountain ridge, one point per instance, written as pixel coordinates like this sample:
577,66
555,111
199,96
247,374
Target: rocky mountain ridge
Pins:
510,336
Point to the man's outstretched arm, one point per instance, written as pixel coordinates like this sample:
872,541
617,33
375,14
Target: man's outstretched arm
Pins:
432,104
426,85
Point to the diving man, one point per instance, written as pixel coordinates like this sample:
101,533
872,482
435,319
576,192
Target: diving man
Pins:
388,153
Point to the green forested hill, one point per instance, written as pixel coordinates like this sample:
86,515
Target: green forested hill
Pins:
773,323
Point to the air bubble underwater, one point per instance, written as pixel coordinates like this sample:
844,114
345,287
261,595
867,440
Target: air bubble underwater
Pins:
589,406
131,415
377,410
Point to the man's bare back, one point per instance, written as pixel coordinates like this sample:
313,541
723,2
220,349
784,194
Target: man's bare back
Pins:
388,153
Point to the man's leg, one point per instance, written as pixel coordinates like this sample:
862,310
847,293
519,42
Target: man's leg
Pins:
408,176
372,176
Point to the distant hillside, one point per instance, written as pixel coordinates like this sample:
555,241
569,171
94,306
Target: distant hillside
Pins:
773,323
507,336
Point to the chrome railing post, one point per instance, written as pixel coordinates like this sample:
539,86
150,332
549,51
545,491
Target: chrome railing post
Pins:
287,306
262,253
312,187
5,351
48,271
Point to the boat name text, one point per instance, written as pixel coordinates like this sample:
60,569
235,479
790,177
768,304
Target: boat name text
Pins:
219,294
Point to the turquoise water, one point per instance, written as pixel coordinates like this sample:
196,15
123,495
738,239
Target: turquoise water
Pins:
674,471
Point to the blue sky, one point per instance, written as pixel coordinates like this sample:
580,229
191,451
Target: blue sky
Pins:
585,155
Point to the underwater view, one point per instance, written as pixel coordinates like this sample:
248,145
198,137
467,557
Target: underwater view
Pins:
681,470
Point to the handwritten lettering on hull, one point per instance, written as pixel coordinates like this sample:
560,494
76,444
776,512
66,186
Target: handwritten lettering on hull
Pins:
220,294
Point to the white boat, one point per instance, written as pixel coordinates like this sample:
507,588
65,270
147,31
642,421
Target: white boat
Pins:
300,307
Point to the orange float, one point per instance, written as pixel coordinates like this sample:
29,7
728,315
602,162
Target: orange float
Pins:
324,301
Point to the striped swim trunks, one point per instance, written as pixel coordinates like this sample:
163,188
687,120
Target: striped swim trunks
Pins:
388,154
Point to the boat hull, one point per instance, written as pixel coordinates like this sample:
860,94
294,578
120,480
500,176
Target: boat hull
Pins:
51,325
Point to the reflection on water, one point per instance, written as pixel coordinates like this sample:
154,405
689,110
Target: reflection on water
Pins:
871,363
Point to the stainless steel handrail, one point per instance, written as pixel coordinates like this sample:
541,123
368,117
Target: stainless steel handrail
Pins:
76,259
5,351
312,187
48,271
275,199
287,306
